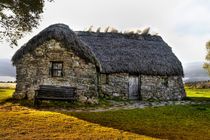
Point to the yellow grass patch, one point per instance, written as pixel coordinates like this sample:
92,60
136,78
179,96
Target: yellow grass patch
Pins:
29,124
7,85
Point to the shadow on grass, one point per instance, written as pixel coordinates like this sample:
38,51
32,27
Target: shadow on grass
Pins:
197,99
55,104
168,122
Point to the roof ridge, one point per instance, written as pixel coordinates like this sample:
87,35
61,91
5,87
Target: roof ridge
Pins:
147,37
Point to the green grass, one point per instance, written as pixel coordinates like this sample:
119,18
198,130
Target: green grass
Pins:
169,122
42,125
6,98
197,95
194,92
19,122
5,94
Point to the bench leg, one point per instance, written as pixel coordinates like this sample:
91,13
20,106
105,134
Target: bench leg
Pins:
36,102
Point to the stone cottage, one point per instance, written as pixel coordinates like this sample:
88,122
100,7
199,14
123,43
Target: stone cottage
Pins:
107,65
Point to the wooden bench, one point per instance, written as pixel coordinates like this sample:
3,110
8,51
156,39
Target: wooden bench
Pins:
51,92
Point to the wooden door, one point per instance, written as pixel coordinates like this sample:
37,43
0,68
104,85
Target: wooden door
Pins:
134,87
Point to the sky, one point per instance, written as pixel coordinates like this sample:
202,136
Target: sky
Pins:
183,24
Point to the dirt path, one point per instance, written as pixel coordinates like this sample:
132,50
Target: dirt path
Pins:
124,105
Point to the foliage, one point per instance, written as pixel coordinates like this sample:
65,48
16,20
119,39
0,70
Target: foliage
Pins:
206,65
18,17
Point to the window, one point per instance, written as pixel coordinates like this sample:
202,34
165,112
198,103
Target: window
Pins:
164,82
57,69
104,78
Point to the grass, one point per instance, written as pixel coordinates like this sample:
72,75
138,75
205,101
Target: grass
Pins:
5,94
168,122
59,104
197,95
19,122
194,92
6,97
7,85
52,125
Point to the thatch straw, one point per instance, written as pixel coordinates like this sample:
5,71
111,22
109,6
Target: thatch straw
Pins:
61,33
90,28
98,29
106,29
132,53
129,32
112,52
137,31
145,31
113,30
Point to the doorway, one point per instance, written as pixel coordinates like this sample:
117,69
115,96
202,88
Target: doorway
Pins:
134,87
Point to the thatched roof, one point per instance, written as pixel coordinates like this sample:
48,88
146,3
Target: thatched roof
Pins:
137,54
113,52
61,33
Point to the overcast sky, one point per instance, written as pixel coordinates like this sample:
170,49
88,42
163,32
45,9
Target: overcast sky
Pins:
183,24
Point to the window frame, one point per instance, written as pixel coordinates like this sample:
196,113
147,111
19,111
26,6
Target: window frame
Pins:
164,82
106,78
52,69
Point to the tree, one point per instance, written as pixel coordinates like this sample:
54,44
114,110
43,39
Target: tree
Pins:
206,65
17,17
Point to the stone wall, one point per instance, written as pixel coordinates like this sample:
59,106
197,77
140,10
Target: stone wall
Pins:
162,88
152,87
34,70
117,86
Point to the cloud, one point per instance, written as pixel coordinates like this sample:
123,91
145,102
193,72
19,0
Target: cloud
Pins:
192,17
183,24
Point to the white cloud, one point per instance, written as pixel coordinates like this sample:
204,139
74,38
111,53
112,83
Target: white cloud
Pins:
192,17
183,24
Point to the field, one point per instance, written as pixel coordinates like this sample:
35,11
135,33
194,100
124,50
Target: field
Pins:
200,93
7,85
167,122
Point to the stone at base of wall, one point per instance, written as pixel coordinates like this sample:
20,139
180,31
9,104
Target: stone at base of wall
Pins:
84,99
30,95
18,95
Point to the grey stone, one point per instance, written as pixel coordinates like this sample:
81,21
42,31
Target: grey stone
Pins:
19,95
116,94
82,99
33,69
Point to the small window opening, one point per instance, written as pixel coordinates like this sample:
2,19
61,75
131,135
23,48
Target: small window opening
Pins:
56,69
104,79
164,82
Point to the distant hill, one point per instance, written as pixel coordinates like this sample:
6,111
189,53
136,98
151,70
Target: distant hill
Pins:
194,72
7,71
6,68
